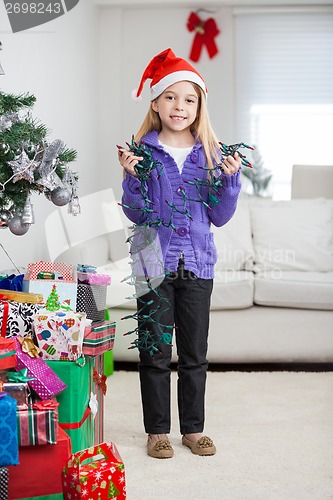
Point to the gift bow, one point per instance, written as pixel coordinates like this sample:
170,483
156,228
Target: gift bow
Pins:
28,346
100,380
21,376
46,404
206,31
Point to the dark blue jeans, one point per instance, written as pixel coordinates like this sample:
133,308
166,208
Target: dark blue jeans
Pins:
182,301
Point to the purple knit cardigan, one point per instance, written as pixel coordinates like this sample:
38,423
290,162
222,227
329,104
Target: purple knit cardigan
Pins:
192,236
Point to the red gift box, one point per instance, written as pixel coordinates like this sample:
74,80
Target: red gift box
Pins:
7,353
39,472
96,472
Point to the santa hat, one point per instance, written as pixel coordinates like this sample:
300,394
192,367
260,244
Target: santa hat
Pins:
164,70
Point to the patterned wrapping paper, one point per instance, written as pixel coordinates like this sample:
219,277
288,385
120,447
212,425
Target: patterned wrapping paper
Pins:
59,334
39,472
99,338
46,382
8,431
37,422
91,299
4,478
20,318
102,478
66,286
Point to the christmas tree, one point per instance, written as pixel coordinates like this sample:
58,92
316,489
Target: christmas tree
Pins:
259,176
52,303
29,164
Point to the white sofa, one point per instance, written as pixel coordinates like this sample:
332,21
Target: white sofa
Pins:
273,293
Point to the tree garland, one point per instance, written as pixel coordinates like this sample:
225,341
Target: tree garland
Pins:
145,340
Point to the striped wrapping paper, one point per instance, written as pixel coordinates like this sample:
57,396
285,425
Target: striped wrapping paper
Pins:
99,388
99,338
37,422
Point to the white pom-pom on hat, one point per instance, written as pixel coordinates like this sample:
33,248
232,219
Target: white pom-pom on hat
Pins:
135,96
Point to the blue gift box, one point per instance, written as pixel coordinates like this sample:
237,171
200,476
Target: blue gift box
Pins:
8,431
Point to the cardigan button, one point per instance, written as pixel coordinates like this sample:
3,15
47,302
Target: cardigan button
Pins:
182,231
194,157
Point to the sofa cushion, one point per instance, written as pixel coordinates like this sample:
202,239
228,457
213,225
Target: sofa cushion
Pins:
306,290
294,235
234,241
232,290
120,290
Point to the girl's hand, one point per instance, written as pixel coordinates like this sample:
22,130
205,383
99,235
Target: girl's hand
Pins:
231,164
128,160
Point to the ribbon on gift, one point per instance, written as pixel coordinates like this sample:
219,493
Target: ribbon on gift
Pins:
7,354
28,346
205,33
77,425
21,376
46,404
100,380
4,315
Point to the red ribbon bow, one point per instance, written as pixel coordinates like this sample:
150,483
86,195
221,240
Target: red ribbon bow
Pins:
46,404
101,381
206,31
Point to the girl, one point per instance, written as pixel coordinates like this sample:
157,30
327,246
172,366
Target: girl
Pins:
189,189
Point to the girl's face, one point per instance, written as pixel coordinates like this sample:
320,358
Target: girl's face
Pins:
177,106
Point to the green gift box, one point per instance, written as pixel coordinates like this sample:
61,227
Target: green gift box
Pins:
74,413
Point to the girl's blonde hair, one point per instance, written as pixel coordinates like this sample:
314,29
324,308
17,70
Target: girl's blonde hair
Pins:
200,128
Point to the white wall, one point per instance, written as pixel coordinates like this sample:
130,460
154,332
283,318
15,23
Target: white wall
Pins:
57,63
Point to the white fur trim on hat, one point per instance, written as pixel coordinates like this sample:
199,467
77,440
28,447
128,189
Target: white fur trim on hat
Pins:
176,76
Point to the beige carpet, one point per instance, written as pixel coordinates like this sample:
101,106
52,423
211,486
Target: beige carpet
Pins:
273,432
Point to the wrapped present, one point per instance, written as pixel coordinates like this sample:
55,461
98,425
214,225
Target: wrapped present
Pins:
8,431
39,472
81,406
59,334
99,338
4,473
11,282
17,390
97,472
16,317
29,298
87,278
45,382
37,422
7,353
91,299
65,280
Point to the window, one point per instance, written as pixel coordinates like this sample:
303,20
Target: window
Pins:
284,88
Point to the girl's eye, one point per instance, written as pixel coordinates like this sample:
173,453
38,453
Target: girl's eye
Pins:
190,101
169,97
